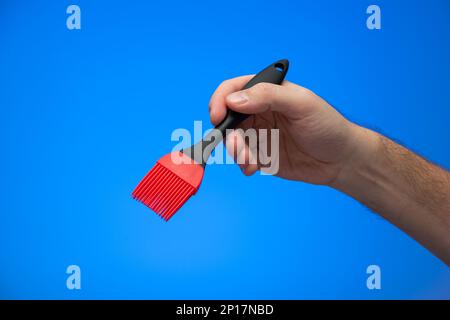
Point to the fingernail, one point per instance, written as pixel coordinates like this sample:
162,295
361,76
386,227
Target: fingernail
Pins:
238,97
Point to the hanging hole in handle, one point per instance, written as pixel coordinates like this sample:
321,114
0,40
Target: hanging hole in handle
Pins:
279,66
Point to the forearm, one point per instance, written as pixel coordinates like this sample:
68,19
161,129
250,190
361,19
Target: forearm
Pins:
402,187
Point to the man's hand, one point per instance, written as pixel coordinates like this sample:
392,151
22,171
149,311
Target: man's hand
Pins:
316,142
320,146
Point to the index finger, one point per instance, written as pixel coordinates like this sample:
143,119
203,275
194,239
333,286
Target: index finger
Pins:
217,105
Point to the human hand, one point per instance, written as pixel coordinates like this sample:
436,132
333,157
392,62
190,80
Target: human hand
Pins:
316,142
318,145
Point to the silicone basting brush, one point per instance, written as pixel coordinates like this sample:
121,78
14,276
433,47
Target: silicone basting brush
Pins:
177,175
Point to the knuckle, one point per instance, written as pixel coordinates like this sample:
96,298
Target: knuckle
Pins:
306,92
266,93
264,89
225,83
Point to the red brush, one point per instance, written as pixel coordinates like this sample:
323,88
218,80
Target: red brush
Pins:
177,176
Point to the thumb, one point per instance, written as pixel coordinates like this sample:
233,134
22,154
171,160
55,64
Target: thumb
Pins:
286,98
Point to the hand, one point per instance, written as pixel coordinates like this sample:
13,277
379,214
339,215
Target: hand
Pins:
318,145
316,142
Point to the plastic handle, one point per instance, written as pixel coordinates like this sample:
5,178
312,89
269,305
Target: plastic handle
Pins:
275,73
201,151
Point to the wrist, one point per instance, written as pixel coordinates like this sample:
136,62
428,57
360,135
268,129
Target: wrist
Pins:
364,152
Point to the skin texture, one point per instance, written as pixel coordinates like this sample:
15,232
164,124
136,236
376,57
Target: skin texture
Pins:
318,145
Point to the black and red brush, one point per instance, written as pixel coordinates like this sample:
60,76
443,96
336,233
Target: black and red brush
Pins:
177,176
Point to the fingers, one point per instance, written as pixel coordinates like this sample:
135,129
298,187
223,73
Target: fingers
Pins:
263,97
286,98
217,104
290,99
242,154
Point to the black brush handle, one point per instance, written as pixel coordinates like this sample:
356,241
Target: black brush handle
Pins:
200,152
275,73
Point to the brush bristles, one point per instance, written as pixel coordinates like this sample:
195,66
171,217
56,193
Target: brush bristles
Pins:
163,191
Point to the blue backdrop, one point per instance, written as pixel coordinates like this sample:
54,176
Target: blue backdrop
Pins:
85,113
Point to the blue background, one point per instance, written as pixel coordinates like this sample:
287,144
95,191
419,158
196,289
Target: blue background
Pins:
84,114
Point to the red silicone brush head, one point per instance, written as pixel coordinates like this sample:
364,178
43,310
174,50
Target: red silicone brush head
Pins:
169,184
